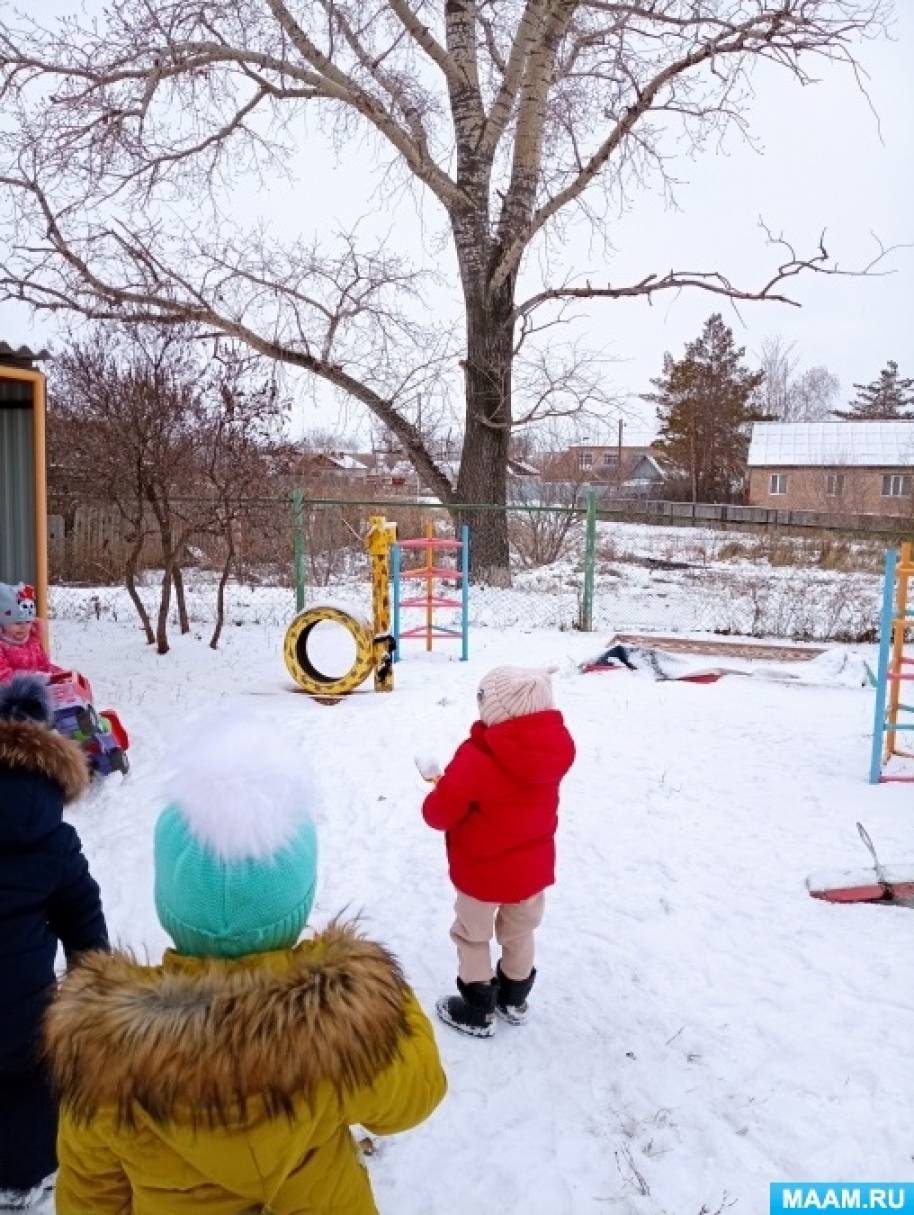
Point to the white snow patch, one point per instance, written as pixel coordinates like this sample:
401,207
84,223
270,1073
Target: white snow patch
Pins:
698,1020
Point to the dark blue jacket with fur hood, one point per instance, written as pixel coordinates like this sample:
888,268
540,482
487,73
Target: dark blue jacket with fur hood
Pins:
47,894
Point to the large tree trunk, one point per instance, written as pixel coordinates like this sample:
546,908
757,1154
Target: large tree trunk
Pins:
483,475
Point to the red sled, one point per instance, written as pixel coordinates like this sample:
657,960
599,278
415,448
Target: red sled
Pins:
885,884
121,737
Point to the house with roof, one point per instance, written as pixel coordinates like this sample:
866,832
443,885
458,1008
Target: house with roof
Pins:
835,467
634,471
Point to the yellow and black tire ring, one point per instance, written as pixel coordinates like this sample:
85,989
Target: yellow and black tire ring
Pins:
303,670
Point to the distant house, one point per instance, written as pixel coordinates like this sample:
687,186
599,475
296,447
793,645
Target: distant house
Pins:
337,464
632,471
838,467
646,478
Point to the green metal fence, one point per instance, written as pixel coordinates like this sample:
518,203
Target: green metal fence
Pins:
573,566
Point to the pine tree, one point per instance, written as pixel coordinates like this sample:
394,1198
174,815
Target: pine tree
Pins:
705,406
888,399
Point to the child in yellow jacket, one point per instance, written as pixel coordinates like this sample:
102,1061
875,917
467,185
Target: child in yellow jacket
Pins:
227,1078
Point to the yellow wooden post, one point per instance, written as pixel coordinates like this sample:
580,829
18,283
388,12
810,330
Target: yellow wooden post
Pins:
381,535
899,625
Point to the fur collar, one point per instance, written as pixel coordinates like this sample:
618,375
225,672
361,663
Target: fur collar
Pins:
34,748
193,1040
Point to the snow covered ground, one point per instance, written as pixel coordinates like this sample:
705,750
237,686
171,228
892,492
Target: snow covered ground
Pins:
701,1026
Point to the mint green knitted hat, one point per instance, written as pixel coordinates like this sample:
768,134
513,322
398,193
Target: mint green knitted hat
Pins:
235,847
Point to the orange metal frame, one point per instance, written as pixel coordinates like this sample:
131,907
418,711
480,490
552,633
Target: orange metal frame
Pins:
897,675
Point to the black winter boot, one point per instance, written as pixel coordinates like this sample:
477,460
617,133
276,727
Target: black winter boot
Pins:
472,1012
511,999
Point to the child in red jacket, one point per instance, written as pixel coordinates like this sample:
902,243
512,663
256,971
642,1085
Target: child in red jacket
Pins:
498,802
21,651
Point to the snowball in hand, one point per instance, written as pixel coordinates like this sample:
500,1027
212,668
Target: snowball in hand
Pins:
429,766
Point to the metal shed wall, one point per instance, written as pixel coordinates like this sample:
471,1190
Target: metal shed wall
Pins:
17,483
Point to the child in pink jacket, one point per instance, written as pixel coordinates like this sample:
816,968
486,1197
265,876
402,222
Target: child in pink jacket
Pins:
21,651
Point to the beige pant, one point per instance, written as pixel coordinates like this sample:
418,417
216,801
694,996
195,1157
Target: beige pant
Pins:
513,923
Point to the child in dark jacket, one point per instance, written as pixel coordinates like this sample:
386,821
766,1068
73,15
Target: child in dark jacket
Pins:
498,802
46,896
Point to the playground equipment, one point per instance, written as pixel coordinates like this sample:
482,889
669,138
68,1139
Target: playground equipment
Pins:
893,668
374,643
23,500
429,573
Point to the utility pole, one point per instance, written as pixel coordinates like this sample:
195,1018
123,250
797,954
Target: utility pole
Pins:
619,459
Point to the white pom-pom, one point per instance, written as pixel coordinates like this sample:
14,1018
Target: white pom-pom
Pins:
244,792
429,766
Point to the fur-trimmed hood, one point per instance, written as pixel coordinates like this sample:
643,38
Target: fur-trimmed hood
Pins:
29,747
195,1040
33,759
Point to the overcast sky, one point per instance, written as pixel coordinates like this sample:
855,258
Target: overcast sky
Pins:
826,162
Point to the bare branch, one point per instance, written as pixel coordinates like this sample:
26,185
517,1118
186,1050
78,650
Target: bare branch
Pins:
713,281
779,32
159,294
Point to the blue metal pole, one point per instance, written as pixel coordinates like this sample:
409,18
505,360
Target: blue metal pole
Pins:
465,592
395,578
882,671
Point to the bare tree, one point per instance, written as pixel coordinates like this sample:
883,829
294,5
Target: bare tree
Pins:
512,115
813,394
113,425
777,362
787,395
324,438
240,417
173,442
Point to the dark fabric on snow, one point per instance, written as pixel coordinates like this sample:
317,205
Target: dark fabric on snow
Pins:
28,1130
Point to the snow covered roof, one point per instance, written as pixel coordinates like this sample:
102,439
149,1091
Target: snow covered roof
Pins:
347,462
647,468
826,444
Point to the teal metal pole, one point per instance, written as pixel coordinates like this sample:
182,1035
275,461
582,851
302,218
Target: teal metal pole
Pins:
882,670
395,578
590,556
465,591
298,547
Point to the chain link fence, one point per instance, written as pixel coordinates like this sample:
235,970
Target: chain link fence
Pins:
571,568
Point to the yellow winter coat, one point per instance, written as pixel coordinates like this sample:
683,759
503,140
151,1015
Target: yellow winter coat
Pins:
226,1087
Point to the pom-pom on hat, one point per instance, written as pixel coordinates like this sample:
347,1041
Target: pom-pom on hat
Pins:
236,847
25,698
17,604
508,692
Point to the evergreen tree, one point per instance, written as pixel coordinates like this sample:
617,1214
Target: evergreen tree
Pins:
888,399
705,405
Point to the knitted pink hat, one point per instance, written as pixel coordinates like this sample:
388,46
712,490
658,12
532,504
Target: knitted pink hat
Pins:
508,692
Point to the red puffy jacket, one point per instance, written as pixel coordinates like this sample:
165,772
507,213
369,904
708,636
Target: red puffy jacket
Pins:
25,658
498,801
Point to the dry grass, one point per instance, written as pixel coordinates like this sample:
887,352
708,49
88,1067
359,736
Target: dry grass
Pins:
822,552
